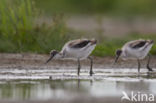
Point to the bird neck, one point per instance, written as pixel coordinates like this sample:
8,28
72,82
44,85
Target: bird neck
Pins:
59,55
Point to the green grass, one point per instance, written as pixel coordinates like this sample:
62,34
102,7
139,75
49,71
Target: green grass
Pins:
20,33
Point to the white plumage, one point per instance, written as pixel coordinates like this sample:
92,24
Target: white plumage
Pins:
74,53
76,49
131,51
137,49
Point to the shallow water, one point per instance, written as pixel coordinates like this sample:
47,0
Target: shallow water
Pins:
66,89
34,83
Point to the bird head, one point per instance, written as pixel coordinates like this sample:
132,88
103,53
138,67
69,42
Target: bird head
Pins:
118,53
53,53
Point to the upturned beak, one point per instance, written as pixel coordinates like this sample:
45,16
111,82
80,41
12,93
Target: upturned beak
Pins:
51,57
116,59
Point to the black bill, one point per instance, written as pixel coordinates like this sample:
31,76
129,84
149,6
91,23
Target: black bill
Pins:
116,59
49,59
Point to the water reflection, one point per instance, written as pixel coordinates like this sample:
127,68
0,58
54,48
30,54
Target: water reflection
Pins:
64,89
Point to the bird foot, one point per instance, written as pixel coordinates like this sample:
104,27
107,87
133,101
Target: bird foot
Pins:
78,74
50,77
91,73
149,68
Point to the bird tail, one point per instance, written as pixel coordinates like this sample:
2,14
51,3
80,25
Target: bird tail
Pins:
150,41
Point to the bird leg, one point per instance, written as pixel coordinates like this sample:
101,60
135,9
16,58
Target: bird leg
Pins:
148,67
91,65
138,65
79,67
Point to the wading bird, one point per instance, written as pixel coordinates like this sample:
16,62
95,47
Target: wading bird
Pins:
76,49
138,50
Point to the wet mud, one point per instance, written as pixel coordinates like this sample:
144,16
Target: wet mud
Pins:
25,78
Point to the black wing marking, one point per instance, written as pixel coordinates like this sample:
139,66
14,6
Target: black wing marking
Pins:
138,44
80,44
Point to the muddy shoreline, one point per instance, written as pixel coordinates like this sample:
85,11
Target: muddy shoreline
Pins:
27,72
27,59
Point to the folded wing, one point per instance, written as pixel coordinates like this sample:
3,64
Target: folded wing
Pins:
79,43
